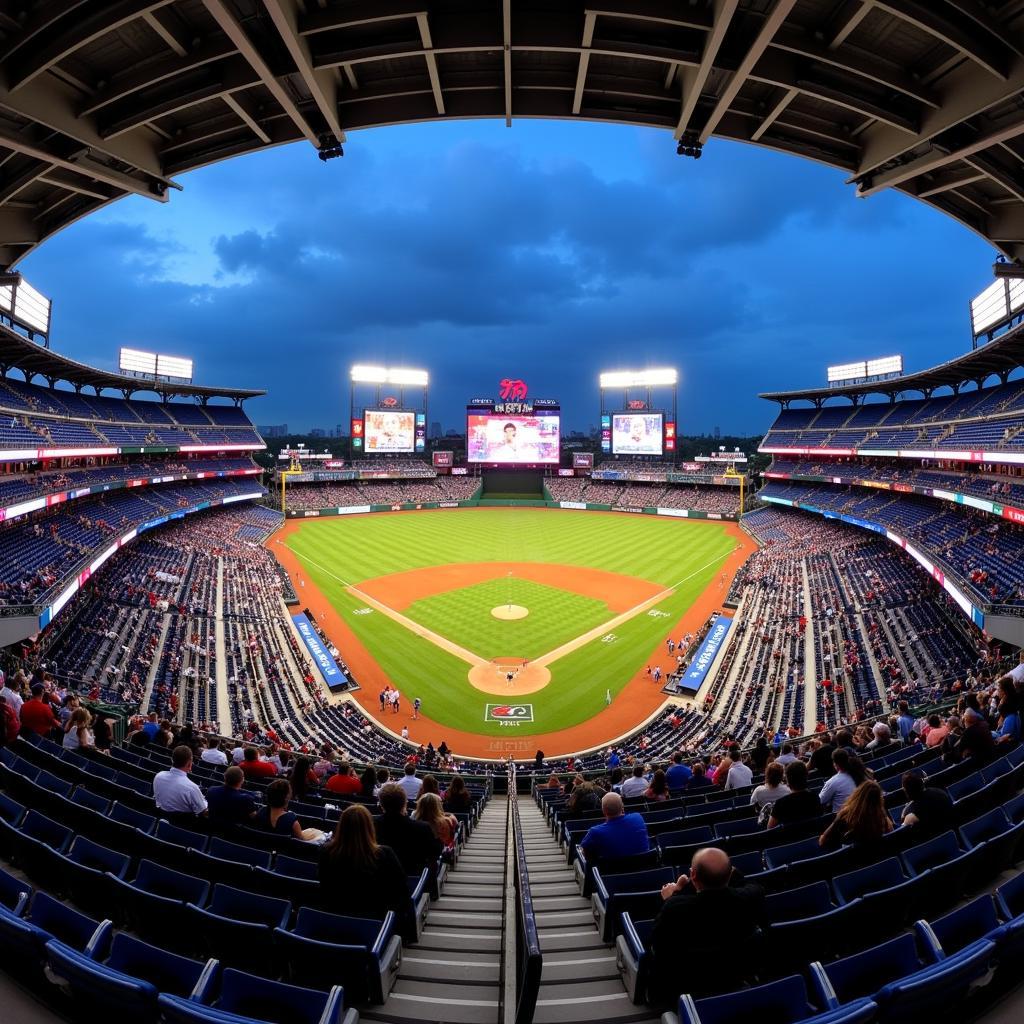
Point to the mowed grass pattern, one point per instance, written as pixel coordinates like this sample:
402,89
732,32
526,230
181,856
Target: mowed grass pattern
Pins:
340,552
464,615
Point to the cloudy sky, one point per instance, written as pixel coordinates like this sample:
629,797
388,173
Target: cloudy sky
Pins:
548,251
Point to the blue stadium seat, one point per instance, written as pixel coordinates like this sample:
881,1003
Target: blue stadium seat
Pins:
14,893
973,923
792,904
230,863
327,949
289,879
130,979
37,848
779,1002
11,816
895,978
23,938
829,935
885,892
153,903
237,927
85,868
949,867
1010,897
638,892
999,836
584,867
247,999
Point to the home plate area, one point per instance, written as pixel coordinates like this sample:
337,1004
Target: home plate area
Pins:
509,677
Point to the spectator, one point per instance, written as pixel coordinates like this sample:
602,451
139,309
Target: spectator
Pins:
77,734
413,842
713,897
799,805
839,788
929,809
9,724
302,778
275,817
11,695
383,778
976,742
905,721
254,768
636,784
787,757
229,804
152,726
698,778
678,774
409,783
36,713
213,754
174,792
368,783
937,731
619,835
658,789
359,877
430,785
862,819
760,755
821,759
739,776
458,800
444,826
772,789
585,797
343,782
1008,732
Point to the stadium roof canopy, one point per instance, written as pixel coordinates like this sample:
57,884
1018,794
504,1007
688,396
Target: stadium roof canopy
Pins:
19,353
101,99
999,358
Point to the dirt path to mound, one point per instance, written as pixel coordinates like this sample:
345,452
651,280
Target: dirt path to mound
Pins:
635,702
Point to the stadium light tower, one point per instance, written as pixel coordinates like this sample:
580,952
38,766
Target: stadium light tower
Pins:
379,377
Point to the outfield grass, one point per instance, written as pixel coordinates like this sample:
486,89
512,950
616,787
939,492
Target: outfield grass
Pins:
340,552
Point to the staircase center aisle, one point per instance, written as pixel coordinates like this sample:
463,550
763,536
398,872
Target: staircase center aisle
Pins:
580,981
453,972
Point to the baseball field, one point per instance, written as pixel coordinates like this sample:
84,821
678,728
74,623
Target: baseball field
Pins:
508,621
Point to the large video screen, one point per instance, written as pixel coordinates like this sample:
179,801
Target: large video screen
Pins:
389,430
637,433
511,439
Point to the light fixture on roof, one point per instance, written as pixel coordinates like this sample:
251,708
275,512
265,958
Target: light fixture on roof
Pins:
690,145
329,147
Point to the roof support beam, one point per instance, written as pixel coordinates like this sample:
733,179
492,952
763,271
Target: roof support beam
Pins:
581,69
849,17
966,92
162,24
992,169
367,12
12,185
693,80
947,182
237,106
930,17
237,34
772,116
81,30
771,24
506,36
322,85
435,79
936,158
45,16
75,183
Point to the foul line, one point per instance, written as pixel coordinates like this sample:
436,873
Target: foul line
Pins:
545,659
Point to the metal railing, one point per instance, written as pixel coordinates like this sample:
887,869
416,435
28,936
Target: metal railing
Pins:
523,960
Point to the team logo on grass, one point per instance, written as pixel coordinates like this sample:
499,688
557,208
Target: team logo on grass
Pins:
508,713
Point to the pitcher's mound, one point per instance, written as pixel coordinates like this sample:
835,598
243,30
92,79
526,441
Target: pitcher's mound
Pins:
493,677
510,611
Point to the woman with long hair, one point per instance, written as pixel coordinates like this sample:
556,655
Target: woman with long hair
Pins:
430,785
658,789
458,799
358,876
368,780
444,826
302,778
77,734
862,819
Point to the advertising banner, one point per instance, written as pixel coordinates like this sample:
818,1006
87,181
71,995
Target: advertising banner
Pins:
701,664
333,675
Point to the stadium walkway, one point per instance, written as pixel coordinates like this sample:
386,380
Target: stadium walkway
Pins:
580,981
453,973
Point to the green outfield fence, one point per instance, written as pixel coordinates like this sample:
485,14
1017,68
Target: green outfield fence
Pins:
674,513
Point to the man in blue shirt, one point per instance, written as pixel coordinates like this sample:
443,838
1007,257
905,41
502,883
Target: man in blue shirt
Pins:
905,721
228,803
614,761
678,774
619,835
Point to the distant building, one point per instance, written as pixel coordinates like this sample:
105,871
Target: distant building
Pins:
435,429
269,430
451,433
718,433
318,432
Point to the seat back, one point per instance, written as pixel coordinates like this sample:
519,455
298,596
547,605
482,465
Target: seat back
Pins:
883,875
779,1002
988,826
865,973
69,926
966,924
93,801
155,878
38,826
930,854
250,996
241,854
129,816
805,901
247,906
91,855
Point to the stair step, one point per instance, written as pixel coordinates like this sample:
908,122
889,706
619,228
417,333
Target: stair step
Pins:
434,937
453,969
403,1006
571,939
570,901
585,1002
470,904
461,919
564,919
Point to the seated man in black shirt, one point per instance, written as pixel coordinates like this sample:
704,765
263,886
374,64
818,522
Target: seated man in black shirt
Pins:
799,805
929,809
229,804
713,900
414,842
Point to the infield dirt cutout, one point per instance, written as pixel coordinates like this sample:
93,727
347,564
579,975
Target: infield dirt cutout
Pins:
492,677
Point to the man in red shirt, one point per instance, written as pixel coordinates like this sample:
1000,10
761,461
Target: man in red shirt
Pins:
254,768
344,782
36,715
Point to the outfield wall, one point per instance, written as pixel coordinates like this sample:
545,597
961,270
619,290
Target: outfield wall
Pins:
673,513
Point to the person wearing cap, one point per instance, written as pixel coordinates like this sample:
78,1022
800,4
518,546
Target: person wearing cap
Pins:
36,714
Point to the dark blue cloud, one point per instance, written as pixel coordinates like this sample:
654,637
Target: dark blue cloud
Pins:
549,252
